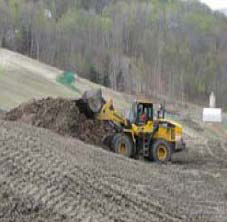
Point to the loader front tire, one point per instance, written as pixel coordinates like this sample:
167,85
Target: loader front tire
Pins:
122,144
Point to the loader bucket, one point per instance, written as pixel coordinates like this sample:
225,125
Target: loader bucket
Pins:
91,102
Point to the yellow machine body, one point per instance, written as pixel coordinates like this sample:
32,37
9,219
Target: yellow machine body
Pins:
142,133
156,129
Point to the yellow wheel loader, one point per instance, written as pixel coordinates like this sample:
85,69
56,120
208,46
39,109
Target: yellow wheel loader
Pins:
141,134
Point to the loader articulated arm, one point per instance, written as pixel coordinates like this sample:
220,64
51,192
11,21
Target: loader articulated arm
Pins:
108,113
93,105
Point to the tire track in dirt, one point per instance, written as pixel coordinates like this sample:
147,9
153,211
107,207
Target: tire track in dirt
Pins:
45,188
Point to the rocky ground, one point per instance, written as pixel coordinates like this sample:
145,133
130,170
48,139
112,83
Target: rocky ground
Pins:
46,176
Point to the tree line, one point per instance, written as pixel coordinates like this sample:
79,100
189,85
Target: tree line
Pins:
171,48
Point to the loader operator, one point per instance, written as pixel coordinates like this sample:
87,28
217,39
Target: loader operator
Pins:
143,117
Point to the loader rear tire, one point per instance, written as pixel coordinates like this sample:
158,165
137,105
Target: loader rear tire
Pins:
161,151
122,144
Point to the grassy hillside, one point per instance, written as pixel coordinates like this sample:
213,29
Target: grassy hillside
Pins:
22,79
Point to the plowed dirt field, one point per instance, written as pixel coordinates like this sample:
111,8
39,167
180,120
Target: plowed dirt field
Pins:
46,177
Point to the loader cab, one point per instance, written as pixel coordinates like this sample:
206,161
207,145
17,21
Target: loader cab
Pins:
140,109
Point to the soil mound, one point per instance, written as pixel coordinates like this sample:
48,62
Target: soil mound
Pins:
61,116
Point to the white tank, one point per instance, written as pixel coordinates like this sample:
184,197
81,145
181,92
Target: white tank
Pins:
212,115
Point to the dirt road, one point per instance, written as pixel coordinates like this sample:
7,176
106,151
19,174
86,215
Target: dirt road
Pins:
45,177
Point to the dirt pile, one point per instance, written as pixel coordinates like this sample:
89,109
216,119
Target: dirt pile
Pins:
61,116
2,114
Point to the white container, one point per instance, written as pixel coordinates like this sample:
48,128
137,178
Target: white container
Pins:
212,115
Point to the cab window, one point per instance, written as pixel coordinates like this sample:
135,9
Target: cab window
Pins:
144,109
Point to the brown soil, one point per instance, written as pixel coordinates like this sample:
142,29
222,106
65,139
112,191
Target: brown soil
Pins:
62,116
49,178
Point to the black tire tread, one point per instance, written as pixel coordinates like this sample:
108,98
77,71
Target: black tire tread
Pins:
127,139
153,152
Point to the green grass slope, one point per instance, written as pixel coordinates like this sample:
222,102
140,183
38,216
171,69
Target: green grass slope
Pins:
22,79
